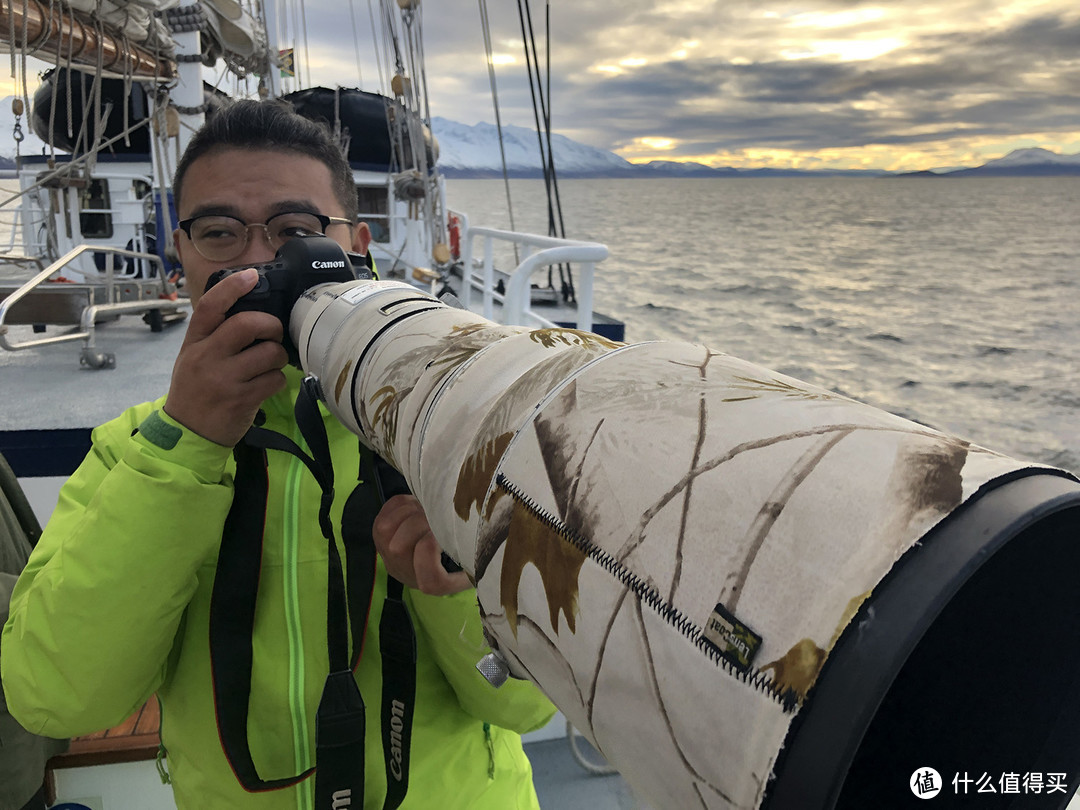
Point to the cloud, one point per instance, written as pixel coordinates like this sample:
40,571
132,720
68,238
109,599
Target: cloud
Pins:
680,79
941,77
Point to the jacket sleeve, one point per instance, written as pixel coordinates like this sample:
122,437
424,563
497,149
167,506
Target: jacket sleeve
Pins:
95,612
453,626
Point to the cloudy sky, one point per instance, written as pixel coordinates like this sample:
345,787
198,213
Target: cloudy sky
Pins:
896,84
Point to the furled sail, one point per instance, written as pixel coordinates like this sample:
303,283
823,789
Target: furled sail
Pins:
125,41
132,37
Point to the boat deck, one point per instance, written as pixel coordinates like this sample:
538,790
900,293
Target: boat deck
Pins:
52,403
54,391
562,784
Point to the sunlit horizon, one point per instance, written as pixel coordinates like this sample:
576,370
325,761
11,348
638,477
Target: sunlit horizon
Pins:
873,157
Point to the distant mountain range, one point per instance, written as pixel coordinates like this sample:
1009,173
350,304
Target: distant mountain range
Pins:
473,151
466,151
1032,162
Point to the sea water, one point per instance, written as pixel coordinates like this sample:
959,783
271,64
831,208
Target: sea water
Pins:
952,302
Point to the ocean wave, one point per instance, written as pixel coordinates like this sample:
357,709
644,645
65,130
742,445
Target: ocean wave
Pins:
886,336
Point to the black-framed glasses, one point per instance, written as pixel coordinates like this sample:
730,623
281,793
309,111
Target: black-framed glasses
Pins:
221,238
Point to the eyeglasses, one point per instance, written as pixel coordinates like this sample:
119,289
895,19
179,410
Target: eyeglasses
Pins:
222,238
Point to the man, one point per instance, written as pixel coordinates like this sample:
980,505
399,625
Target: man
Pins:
115,602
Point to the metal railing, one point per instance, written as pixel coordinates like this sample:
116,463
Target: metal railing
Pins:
90,314
12,229
537,252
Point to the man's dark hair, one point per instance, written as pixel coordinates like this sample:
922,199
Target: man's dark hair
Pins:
274,126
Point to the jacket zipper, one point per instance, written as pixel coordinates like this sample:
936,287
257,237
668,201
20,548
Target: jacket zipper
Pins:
291,534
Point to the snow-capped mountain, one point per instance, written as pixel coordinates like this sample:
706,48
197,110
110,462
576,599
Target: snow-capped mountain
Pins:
1033,156
1030,162
475,150
675,168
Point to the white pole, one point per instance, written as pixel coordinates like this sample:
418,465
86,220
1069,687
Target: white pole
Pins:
188,93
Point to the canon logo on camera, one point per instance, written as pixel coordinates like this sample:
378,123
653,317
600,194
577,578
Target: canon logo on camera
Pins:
326,265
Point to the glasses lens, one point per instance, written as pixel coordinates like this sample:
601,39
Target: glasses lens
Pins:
283,227
219,238
223,238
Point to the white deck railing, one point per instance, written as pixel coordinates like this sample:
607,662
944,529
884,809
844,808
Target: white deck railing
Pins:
92,312
537,252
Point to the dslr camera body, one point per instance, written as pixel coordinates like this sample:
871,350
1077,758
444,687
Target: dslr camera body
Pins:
300,264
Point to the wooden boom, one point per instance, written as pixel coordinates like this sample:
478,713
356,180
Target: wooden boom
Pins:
39,29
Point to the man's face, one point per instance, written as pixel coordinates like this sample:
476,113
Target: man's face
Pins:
253,185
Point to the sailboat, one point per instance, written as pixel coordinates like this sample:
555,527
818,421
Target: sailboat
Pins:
90,223
92,302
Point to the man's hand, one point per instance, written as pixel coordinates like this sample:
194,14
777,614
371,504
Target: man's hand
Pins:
412,556
221,375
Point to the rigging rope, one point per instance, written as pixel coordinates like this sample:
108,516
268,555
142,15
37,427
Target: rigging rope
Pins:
307,57
392,36
86,127
409,123
394,68
164,171
375,45
541,110
95,99
293,40
356,43
486,28
420,122
411,92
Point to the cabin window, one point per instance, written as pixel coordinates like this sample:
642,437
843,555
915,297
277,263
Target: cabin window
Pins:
95,218
373,206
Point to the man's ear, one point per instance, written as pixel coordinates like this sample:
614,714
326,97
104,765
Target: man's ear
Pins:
361,238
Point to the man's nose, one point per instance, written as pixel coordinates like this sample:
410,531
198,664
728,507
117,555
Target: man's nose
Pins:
258,249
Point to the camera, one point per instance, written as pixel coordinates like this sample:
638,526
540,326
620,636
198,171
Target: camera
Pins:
299,264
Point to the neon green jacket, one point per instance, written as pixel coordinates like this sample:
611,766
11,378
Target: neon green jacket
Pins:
113,606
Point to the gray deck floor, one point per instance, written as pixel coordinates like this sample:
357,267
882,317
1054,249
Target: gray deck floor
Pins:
46,387
561,783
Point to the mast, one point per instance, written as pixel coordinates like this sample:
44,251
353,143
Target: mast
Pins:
187,95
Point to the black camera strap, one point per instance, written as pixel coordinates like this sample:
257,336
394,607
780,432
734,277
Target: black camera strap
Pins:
232,616
340,719
397,647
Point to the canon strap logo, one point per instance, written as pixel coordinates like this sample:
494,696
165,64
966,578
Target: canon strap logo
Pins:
396,724
342,800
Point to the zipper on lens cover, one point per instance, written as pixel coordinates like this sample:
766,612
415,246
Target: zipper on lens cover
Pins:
650,597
